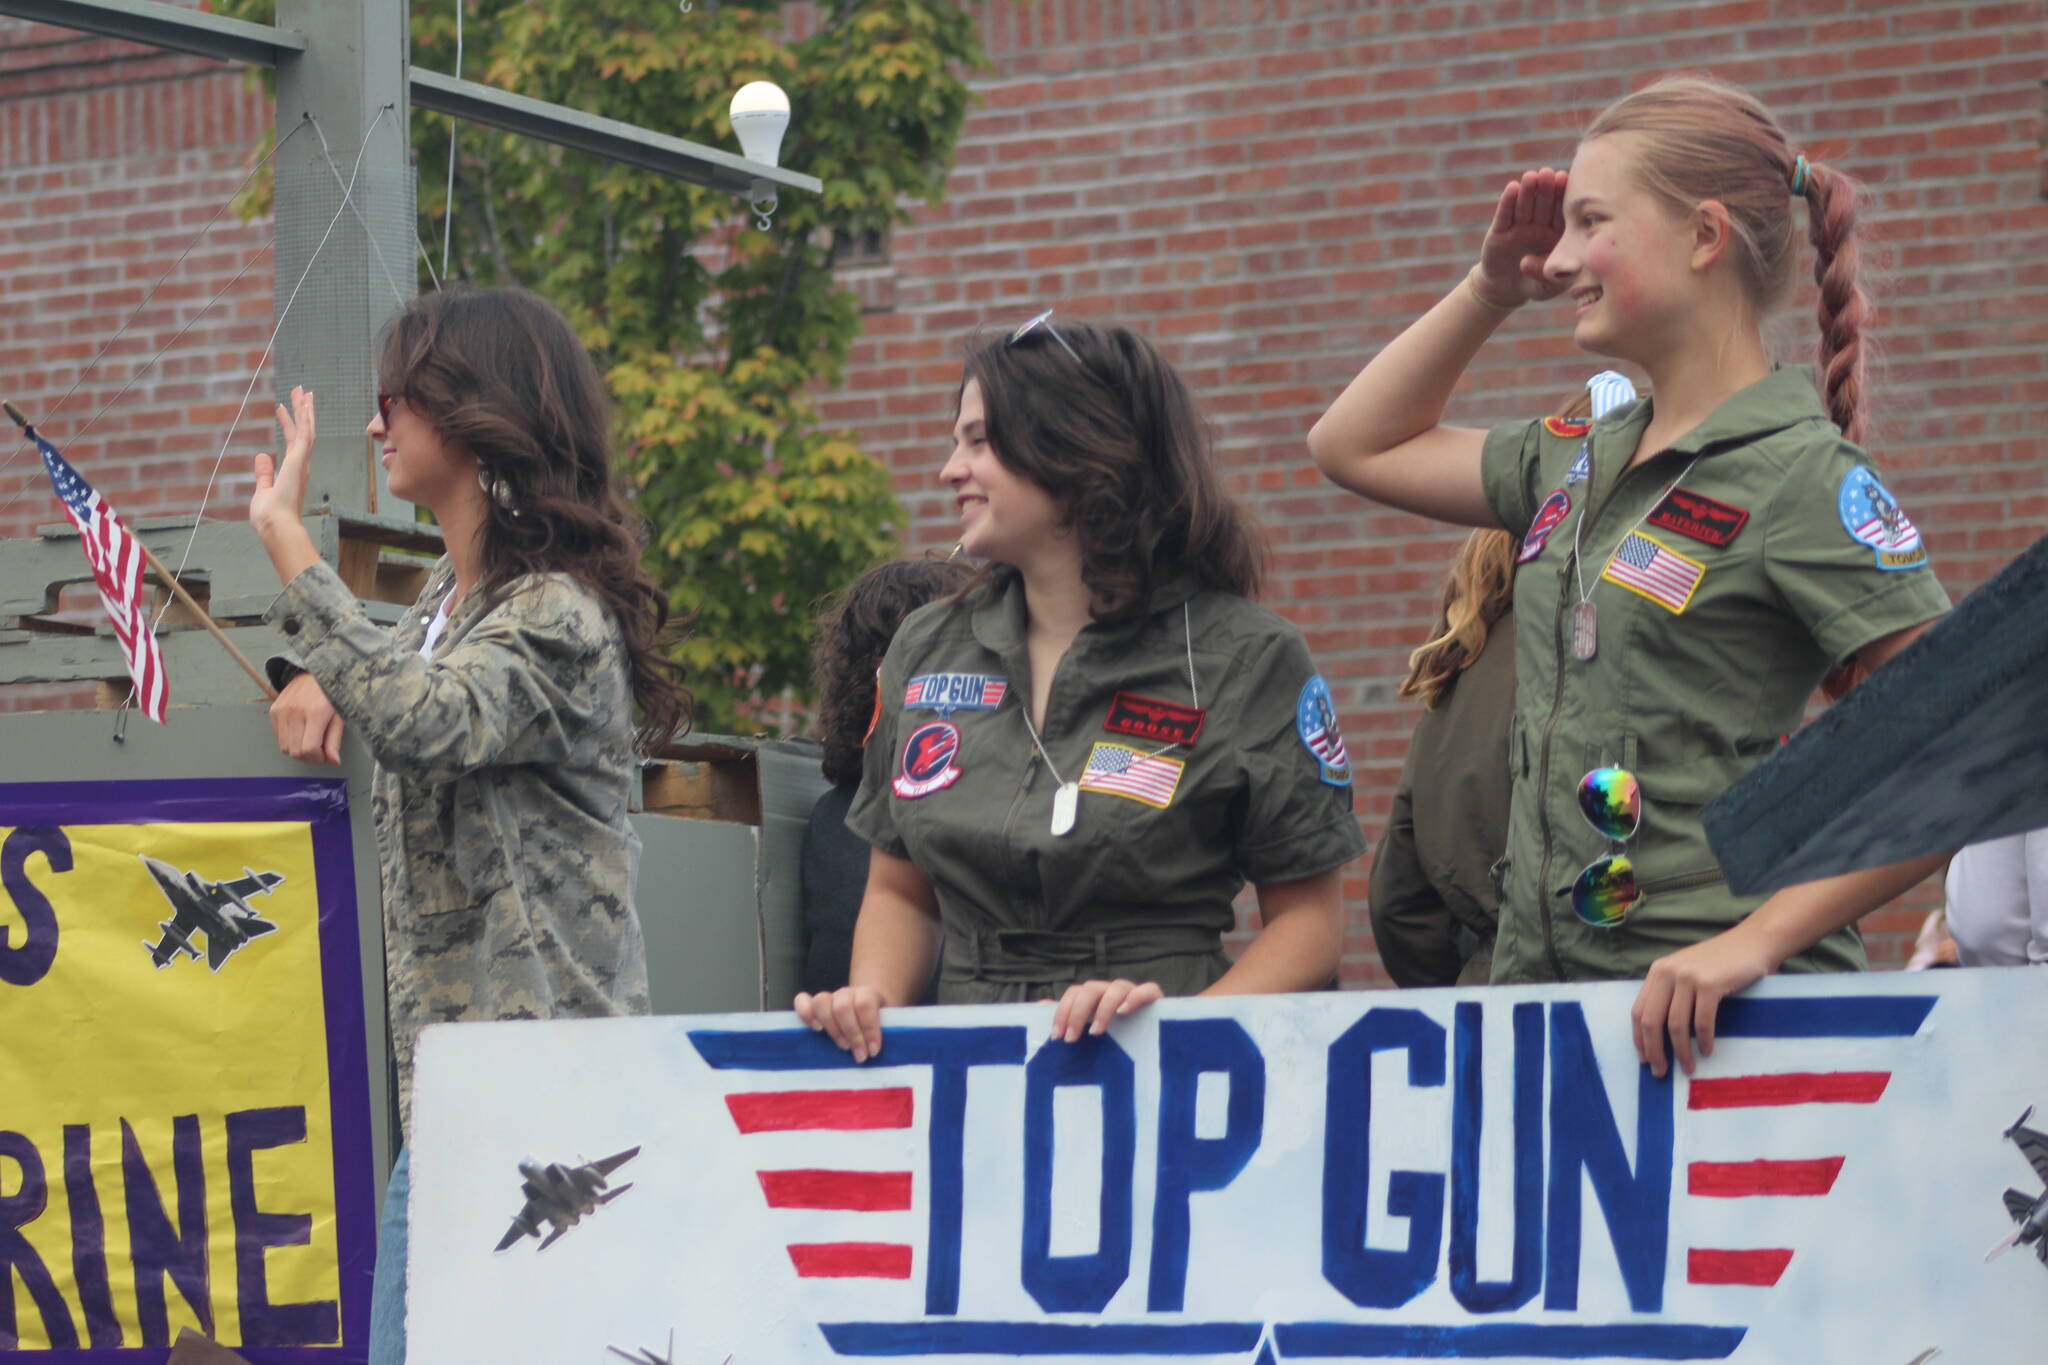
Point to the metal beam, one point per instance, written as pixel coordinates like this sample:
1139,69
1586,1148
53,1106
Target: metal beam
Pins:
168,26
604,137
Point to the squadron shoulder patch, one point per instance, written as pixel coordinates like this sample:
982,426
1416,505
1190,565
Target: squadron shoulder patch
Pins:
930,760
946,693
1548,517
1698,517
1873,517
1570,428
1582,465
1151,718
1315,720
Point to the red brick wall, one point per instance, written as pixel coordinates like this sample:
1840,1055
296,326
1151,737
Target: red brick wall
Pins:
1273,189
112,158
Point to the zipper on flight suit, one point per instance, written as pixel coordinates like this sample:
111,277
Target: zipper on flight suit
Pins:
1558,648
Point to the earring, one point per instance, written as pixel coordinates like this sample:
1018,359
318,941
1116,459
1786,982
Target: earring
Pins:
499,491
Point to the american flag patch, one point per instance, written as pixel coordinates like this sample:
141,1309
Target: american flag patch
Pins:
1648,566
1123,771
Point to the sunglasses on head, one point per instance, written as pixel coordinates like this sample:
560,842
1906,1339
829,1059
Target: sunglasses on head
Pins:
1605,892
1044,320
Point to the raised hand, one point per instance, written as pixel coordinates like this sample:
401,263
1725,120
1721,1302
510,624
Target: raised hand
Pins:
1527,224
280,492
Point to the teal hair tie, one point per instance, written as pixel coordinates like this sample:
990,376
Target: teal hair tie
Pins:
1799,176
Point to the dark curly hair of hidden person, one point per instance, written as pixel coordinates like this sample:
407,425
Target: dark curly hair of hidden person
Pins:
853,635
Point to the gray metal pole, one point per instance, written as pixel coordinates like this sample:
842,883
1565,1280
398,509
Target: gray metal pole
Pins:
356,93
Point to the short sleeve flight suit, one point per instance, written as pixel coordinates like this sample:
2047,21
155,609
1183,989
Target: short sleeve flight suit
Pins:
1183,798
1720,603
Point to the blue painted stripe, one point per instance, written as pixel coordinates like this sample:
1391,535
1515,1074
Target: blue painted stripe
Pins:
799,1049
1842,1016
1401,1341
1040,1338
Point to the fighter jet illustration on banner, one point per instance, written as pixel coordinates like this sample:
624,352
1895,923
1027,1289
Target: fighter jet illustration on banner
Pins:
2030,1211
561,1194
220,910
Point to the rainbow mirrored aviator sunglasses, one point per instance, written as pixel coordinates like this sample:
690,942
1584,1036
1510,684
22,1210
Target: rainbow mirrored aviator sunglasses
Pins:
1044,320
1606,891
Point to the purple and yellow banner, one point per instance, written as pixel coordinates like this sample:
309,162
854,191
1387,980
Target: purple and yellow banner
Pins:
184,1100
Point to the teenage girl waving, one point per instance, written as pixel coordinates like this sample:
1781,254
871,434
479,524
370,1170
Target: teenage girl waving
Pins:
1690,566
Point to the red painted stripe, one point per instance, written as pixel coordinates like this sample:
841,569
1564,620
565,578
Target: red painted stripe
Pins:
1791,1087
779,1111
867,1191
1737,1179
854,1260
1736,1267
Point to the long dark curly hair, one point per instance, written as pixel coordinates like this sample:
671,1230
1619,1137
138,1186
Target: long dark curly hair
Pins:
1112,433
853,635
500,372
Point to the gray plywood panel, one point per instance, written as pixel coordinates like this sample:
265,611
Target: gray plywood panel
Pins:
1945,745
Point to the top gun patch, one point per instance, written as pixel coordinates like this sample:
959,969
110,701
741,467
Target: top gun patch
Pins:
1873,517
1570,428
949,692
1698,517
1151,718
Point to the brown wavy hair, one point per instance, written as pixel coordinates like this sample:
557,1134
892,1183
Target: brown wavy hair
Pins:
500,372
1112,433
1478,591
852,636
1704,139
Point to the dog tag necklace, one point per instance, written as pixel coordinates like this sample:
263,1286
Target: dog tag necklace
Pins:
1585,616
1066,796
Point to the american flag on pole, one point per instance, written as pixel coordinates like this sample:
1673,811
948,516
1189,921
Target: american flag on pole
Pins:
116,559
1648,566
1124,771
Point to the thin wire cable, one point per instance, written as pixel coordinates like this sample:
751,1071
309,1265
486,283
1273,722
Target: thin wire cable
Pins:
454,127
328,155
206,496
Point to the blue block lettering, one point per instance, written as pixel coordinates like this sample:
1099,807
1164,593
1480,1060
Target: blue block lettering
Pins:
1467,1122
1584,1136
1187,1049
27,962
1081,1283
1368,1277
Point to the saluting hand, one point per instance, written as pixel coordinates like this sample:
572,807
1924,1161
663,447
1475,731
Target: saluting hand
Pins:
1091,1005
1527,225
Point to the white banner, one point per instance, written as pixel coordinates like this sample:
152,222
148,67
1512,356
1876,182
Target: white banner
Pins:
1351,1176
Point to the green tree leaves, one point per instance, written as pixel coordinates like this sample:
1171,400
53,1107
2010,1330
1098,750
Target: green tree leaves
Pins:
714,335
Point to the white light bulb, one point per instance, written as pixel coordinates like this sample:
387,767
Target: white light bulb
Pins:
760,115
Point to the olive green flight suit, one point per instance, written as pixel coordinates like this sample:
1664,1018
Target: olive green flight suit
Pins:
1719,609
1166,832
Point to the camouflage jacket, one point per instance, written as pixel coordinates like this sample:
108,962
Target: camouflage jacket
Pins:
504,770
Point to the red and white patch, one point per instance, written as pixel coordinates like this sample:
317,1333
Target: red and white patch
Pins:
929,760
